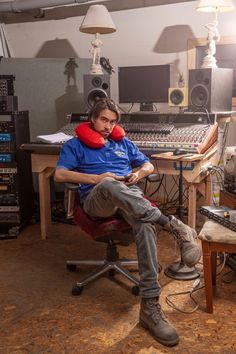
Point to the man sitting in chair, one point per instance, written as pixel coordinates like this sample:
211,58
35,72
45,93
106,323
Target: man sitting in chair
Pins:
101,160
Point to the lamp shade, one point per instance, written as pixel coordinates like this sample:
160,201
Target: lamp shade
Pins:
215,5
97,20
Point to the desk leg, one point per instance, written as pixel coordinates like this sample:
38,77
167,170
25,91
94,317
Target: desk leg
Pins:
45,201
208,190
192,206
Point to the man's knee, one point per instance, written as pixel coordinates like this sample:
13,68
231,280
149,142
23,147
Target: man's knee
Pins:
109,183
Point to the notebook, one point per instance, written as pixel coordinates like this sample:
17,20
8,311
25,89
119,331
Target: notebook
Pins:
221,214
54,138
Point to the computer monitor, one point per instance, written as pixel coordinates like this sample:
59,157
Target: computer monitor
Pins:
144,84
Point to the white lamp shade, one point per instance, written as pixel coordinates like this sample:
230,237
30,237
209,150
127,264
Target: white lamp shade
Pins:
97,20
215,5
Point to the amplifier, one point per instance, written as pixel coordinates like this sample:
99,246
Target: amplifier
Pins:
8,184
6,158
16,124
7,85
16,185
9,199
8,104
5,137
10,218
11,208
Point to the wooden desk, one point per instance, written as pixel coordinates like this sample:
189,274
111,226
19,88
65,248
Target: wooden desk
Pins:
44,165
195,176
195,179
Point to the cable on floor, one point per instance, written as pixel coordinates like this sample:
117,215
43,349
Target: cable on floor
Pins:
195,287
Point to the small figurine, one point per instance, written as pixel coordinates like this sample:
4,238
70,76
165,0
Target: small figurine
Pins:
209,61
70,70
96,50
213,37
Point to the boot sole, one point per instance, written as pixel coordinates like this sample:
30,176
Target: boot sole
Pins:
160,340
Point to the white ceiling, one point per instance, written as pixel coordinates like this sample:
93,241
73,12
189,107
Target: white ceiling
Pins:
79,10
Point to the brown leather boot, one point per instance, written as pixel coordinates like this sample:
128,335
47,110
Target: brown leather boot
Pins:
152,318
186,239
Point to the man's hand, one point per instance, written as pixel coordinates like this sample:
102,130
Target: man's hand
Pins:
131,179
106,174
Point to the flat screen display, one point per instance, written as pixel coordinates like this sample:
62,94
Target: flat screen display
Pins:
139,84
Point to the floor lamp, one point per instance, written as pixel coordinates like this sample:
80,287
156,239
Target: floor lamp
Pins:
97,21
214,6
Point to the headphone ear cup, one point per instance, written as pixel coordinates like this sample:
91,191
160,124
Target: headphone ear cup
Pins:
89,136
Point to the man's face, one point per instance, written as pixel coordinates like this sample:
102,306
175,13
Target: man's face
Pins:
105,122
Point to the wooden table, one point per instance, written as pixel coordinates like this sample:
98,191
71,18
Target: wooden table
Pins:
44,165
195,175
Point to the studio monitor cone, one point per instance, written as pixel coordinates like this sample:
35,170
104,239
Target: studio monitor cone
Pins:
178,97
95,88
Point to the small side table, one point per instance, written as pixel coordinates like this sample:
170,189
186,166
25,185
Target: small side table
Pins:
214,238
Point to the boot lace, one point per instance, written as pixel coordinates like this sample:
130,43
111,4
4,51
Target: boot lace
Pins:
157,312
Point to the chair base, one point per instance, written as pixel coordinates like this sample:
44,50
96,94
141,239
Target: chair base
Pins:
103,267
111,264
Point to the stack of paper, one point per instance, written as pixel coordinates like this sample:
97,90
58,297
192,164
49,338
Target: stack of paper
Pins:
54,138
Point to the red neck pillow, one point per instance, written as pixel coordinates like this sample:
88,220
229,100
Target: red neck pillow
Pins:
94,139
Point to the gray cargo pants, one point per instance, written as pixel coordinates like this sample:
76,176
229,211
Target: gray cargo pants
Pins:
111,196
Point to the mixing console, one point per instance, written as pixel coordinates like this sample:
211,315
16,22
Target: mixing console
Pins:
195,138
153,133
157,133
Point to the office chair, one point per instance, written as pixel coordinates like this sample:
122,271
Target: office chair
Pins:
113,231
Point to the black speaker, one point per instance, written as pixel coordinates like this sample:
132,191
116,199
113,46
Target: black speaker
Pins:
95,88
210,89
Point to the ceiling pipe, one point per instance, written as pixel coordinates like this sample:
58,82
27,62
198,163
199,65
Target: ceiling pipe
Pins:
24,5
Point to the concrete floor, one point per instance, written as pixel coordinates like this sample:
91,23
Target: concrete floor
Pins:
39,314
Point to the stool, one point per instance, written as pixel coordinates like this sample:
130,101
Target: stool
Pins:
214,238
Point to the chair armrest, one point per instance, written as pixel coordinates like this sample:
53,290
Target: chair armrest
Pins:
153,177
70,199
71,186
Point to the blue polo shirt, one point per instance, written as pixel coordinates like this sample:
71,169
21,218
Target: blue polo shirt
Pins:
118,157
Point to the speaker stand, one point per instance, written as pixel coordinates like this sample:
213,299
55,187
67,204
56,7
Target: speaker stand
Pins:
179,270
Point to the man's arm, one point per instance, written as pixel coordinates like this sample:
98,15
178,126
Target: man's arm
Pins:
63,175
146,169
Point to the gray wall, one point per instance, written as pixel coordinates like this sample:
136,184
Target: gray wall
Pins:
43,89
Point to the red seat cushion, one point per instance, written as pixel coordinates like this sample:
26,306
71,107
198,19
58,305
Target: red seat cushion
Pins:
99,227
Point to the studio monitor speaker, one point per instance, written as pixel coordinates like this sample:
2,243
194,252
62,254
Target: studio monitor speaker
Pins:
178,97
95,88
210,89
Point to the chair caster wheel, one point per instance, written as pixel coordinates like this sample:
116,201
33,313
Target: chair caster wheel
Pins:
71,267
77,290
111,272
135,290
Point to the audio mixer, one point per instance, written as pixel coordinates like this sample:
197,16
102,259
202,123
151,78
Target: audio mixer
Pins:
153,133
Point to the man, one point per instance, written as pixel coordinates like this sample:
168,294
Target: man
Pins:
105,189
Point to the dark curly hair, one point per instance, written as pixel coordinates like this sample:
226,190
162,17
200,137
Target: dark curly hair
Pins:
100,105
